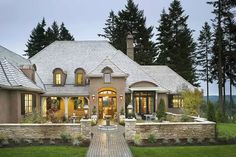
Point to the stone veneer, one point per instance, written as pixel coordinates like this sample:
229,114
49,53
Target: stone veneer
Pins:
47,130
170,130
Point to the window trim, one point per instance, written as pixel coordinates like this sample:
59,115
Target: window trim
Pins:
109,78
77,72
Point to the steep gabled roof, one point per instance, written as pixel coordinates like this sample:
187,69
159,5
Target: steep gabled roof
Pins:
13,57
116,71
167,78
11,77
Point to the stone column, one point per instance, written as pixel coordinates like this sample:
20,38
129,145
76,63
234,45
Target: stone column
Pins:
156,98
130,129
86,128
43,106
66,106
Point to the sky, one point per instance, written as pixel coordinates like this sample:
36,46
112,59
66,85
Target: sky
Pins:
85,19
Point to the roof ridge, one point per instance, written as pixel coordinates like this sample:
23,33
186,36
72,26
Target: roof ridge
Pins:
10,71
5,73
12,52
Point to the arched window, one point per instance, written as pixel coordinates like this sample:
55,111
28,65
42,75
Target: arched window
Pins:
107,74
58,77
79,77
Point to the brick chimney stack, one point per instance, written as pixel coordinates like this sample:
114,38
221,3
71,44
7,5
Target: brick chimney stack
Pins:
29,71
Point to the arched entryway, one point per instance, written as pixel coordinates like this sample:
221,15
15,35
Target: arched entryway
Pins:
107,102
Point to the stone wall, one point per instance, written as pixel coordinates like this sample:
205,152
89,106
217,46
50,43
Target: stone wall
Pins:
35,131
170,130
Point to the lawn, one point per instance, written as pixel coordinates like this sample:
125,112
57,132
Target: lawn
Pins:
226,130
187,151
43,151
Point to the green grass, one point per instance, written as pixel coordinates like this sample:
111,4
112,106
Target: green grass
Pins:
44,151
187,151
226,130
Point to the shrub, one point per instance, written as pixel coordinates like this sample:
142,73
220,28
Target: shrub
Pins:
211,112
34,117
66,137
177,141
78,140
93,122
122,122
190,140
151,138
161,114
94,111
192,101
52,141
185,118
16,140
137,139
219,116
122,111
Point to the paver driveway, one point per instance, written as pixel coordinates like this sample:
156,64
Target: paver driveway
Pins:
108,144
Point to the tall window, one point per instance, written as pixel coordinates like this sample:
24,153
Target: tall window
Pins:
107,78
28,103
58,79
80,78
175,101
144,102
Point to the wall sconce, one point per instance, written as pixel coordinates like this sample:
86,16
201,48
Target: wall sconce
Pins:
86,108
121,97
93,97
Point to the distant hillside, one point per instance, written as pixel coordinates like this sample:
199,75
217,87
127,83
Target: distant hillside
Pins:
215,98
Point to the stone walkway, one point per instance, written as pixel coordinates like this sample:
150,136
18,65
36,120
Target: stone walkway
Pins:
108,144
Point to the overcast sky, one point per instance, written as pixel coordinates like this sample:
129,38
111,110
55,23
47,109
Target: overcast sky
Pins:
84,18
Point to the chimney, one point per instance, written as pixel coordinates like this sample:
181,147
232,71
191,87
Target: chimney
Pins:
29,71
130,46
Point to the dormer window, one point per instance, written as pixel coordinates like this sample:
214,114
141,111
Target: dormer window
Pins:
107,74
59,77
79,77
107,78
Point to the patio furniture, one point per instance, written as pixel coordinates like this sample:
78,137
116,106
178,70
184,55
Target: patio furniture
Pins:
148,117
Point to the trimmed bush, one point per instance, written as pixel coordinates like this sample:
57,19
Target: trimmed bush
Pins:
211,112
161,114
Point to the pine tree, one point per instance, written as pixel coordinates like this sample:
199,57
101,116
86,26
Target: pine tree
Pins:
131,19
40,38
64,33
203,55
222,10
37,40
175,41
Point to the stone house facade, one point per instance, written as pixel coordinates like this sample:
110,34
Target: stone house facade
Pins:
79,73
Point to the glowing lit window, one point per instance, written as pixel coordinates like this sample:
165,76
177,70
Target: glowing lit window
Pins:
58,79
80,79
177,101
28,103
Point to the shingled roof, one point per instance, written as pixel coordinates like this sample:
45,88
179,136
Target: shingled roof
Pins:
11,77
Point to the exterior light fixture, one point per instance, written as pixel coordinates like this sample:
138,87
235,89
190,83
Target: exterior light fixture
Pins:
86,108
93,97
121,97
130,111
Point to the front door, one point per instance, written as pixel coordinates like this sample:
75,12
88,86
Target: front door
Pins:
107,104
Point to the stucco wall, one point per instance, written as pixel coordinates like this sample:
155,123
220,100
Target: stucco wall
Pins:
117,83
10,105
198,130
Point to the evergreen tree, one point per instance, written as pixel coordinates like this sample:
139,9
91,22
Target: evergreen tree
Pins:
203,55
220,59
131,19
175,41
211,114
64,33
37,40
40,38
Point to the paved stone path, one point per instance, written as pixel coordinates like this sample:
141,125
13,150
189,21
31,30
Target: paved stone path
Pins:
108,143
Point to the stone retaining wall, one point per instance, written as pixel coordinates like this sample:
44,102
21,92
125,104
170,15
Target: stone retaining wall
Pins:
170,130
49,130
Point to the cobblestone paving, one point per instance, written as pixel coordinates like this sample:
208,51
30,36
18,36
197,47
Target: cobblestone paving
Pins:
108,144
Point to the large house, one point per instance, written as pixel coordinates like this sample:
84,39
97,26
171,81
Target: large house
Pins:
75,73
